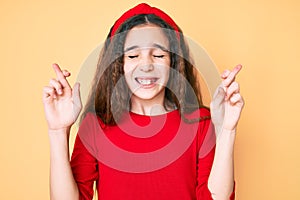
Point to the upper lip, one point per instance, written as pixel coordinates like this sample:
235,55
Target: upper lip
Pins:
146,78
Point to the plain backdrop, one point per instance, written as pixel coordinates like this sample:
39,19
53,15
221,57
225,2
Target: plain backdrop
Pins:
261,35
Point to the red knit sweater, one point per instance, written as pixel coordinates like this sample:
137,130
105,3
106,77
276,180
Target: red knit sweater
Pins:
145,158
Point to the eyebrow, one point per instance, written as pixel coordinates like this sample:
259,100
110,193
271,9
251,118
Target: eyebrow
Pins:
155,45
131,48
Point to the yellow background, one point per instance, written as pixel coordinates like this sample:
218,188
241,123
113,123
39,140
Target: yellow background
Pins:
261,35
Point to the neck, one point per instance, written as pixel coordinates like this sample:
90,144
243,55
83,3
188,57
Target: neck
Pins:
148,107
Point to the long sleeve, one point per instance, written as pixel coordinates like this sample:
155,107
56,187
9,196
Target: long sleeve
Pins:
84,165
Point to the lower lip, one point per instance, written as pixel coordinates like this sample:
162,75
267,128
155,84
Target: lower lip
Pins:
147,86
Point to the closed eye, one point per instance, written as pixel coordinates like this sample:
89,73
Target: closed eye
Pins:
131,57
159,56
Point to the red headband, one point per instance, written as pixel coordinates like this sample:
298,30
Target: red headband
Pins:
144,8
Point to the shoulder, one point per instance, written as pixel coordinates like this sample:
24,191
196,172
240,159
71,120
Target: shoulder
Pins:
203,114
90,119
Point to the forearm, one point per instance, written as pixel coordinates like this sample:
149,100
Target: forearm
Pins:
62,183
221,179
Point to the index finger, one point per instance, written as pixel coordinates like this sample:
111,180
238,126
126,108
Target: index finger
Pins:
230,78
60,75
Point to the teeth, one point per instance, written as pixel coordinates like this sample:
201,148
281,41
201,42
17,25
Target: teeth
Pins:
146,81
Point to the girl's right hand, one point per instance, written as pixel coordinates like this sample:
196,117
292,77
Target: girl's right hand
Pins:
62,104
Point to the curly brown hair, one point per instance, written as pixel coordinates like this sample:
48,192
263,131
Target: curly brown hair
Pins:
182,90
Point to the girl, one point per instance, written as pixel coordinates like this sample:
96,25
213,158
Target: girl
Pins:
144,132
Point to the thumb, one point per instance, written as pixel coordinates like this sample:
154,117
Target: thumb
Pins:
219,96
76,95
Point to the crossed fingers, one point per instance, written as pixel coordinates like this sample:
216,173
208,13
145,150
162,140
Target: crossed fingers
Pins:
231,88
57,86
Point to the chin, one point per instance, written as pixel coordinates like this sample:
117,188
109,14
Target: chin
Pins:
144,96
147,95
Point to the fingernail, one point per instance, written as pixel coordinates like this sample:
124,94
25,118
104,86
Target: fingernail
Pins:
59,91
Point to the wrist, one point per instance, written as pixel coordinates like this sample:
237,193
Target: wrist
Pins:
226,135
63,130
228,131
59,138
59,135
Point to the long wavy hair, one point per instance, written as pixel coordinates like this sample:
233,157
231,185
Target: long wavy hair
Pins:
109,96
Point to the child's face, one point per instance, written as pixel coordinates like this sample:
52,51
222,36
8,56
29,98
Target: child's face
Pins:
146,61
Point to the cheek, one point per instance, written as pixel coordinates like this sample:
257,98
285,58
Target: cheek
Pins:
166,74
126,67
127,78
165,68
129,67
128,70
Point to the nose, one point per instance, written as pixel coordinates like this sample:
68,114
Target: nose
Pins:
146,64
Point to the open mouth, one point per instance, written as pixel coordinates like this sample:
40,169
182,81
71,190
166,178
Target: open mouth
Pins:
146,81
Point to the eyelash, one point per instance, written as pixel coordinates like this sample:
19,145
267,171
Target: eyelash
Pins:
156,56
131,57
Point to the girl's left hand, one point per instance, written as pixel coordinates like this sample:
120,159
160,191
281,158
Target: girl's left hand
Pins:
227,103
